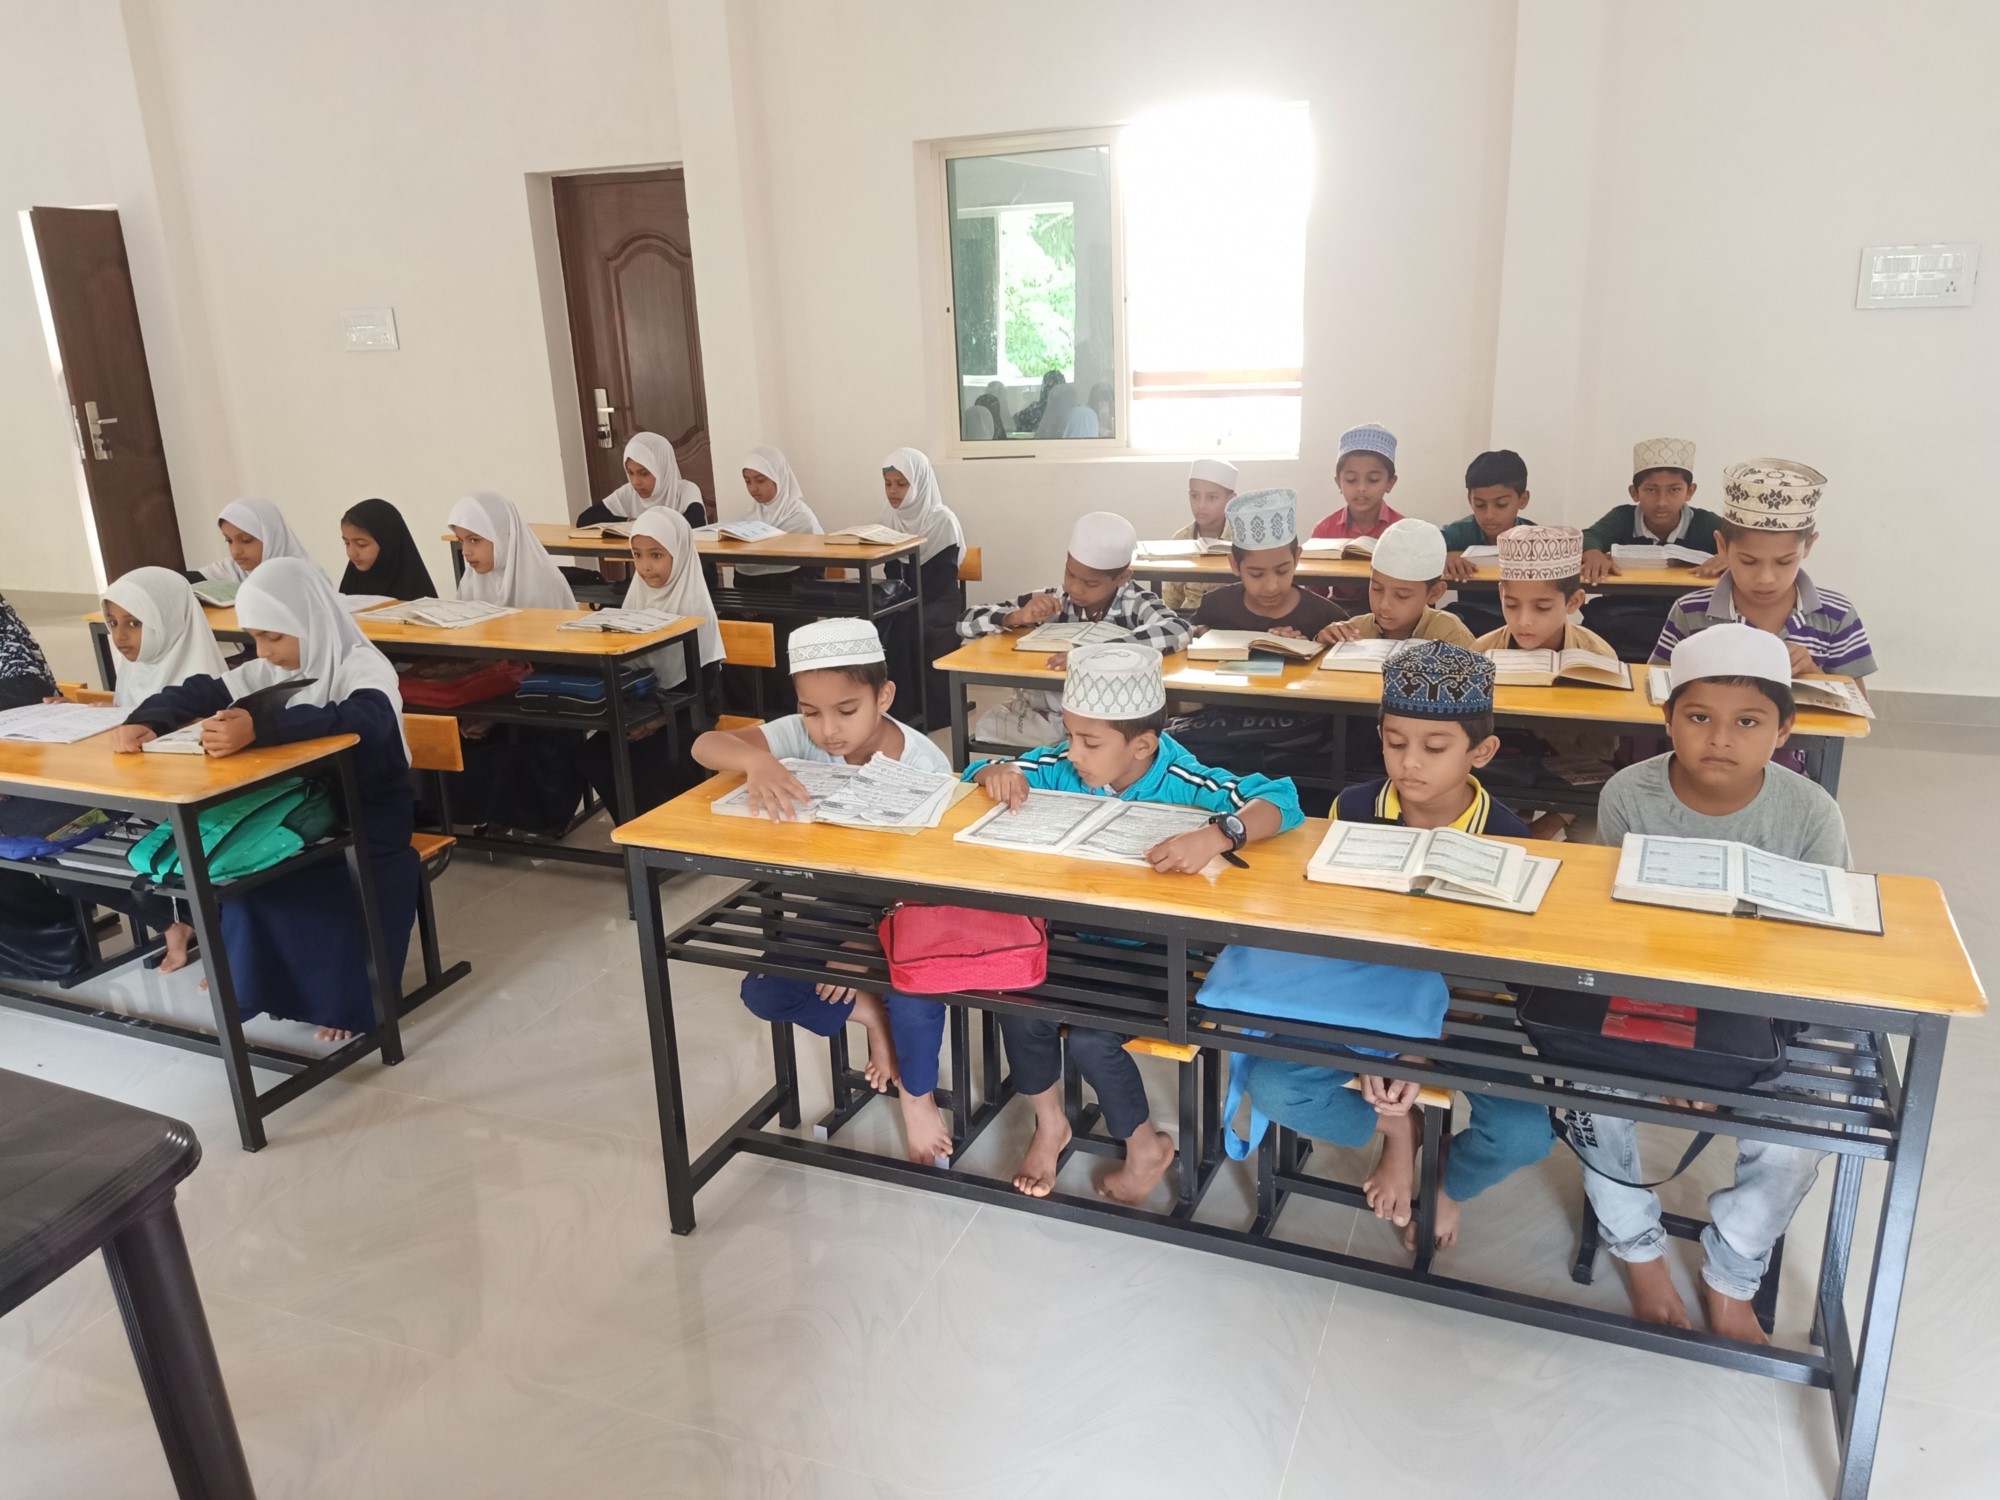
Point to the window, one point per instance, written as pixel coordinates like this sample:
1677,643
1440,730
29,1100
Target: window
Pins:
1135,289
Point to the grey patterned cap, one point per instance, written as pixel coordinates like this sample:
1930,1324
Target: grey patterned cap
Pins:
835,643
1114,681
1263,518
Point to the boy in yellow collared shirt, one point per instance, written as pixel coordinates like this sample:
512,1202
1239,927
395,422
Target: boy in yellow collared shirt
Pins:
1405,581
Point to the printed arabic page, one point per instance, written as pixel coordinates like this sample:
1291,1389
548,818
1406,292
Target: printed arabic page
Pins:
1138,827
822,780
1792,885
59,723
1684,864
1465,859
887,792
1376,848
1045,821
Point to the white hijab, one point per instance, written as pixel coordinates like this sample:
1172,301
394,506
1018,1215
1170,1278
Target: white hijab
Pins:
788,510
524,576
922,512
264,521
685,592
655,455
292,597
175,644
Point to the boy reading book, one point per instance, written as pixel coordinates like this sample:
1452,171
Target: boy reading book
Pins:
1365,471
1211,485
1405,581
1437,731
841,675
1730,711
1114,711
1661,515
1264,556
1097,585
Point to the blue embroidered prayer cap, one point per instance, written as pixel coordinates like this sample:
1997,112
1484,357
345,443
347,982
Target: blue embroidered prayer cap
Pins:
1263,518
1369,437
1436,680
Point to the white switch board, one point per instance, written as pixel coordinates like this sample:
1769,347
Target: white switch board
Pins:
369,328
1917,275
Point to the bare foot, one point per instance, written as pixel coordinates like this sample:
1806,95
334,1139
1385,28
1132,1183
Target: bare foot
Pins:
929,1139
328,1033
1148,1154
1037,1177
1447,1225
178,936
1655,1298
1731,1317
1392,1184
874,1018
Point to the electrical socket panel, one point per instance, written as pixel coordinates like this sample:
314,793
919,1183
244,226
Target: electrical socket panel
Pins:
1917,275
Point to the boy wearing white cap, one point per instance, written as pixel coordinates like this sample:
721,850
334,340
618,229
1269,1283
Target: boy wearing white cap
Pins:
1662,512
1211,486
1365,471
1097,585
1405,581
1264,556
1731,709
1115,711
1539,591
841,675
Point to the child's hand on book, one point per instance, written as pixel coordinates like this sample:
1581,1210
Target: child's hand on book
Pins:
1338,631
127,738
1715,567
1802,663
1598,566
1188,853
1005,784
1286,630
1390,1096
1457,569
774,791
227,732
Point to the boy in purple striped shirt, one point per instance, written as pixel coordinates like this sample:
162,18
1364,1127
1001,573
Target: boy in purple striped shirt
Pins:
1767,530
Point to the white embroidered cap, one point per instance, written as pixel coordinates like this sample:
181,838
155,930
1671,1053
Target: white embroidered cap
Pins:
1663,453
846,642
1116,682
1410,550
1731,650
1771,494
1530,554
1370,437
1263,518
1215,471
1105,540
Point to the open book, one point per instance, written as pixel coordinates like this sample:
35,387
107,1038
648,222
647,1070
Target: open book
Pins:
1235,645
1671,555
1483,553
1083,826
1058,637
187,739
217,593
356,604
442,614
1432,862
59,723
1337,546
1359,656
1184,547
870,536
884,794
1546,668
604,531
1721,875
622,621
1839,695
740,531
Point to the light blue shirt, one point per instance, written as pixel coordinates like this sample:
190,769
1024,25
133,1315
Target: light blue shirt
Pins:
1175,777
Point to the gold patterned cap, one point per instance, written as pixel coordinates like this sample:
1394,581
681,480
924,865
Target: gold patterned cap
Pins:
1663,453
1530,554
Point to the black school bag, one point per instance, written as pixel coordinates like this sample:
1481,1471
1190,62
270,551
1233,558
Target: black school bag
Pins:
1672,1044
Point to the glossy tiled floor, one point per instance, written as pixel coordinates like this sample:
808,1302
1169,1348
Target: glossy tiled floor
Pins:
454,1278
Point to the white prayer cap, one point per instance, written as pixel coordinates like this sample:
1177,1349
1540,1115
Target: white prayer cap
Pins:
1215,471
1369,437
1410,550
1530,554
1116,682
1663,453
1732,650
844,642
1263,518
1771,494
1104,540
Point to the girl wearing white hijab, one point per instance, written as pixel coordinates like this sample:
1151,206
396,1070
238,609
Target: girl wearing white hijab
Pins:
255,532
776,500
296,946
917,508
505,563
156,624
649,461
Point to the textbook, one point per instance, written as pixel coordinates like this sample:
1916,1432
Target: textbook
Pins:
870,536
58,723
1433,862
884,795
1184,547
740,531
1485,552
187,739
1723,876
604,531
623,621
1236,645
1083,827
1672,555
1839,695
217,593
1334,546
1546,668
441,614
357,604
1059,637
1359,656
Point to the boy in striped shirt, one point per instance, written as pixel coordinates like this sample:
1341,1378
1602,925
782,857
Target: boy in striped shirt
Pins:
1768,528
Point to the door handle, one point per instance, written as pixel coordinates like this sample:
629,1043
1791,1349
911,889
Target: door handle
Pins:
604,411
98,447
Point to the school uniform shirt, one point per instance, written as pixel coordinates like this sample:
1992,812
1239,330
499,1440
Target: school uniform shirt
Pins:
1338,525
788,740
1228,609
1575,638
1184,598
1790,816
1379,802
1823,622
1175,777
1624,525
1432,625
1134,607
1465,532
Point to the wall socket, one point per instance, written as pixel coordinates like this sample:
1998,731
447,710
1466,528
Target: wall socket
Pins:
1917,275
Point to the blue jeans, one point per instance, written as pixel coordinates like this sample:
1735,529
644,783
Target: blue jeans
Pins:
916,1025
1502,1136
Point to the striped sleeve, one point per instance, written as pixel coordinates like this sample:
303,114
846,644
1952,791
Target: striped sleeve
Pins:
1223,791
1689,614
1840,642
1045,766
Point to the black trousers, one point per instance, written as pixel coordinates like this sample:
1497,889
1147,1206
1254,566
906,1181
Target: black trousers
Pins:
1034,1051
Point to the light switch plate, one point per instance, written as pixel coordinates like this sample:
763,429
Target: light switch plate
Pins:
368,329
1917,275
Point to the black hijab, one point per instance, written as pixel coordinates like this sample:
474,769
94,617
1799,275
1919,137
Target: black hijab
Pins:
399,569
24,672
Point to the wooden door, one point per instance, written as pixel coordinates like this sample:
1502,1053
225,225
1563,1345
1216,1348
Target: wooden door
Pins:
629,278
103,353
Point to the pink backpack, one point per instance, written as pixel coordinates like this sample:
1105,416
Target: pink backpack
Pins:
942,950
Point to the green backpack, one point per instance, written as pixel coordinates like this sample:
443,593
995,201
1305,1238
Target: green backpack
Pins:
245,834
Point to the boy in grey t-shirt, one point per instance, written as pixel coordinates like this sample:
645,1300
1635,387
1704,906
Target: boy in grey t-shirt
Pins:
1731,708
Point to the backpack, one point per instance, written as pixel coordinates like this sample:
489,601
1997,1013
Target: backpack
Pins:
245,834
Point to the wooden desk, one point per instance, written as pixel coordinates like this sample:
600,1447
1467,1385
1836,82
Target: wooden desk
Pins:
1845,1091
175,790
1215,569
1304,687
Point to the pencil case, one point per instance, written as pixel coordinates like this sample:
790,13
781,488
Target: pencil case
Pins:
944,950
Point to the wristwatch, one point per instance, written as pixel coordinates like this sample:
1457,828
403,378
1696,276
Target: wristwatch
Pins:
1232,829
